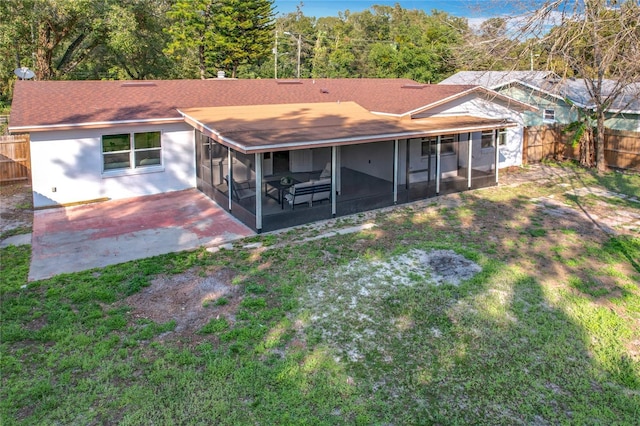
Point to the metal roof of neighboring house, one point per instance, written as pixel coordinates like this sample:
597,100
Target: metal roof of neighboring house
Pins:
493,79
47,105
547,82
261,128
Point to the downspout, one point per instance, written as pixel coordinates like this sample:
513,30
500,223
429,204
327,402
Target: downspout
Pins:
258,161
470,158
438,165
230,174
495,144
334,186
395,171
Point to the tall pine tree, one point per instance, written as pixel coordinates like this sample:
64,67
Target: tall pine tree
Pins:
221,34
243,33
191,32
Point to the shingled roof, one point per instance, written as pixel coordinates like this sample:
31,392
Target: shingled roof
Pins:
45,105
577,90
260,128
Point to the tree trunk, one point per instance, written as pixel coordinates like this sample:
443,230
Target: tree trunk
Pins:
44,54
599,145
587,148
201,60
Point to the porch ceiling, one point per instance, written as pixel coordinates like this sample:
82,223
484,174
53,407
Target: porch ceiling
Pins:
263,128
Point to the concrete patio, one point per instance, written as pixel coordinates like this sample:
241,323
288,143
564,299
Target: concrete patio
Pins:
78,238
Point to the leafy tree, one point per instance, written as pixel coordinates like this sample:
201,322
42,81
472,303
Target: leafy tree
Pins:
135,39
488,48
243,33
582,133
79,39
16,38
292,27
594,40
192,31
221,33
66,32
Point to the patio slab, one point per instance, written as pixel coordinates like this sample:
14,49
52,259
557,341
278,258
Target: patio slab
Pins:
78,238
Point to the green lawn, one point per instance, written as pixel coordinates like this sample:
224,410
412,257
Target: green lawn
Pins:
351,329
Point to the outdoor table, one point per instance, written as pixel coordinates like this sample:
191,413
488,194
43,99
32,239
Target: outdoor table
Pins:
276,190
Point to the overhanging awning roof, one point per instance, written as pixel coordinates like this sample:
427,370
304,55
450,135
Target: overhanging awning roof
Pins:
263,128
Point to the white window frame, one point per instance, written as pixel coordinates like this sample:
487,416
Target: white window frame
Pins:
549,115
483,135
132,151
447,141
502,137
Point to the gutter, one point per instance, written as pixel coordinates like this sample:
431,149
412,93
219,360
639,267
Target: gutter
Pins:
489,92
246,149
94,124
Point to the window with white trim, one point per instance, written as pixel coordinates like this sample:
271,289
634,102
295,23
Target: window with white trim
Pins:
502,137
549,115
487,139
429,145
131,151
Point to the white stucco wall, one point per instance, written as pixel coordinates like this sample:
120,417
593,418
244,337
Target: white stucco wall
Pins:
511,153
67,166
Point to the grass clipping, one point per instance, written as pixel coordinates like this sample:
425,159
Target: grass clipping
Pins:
359,306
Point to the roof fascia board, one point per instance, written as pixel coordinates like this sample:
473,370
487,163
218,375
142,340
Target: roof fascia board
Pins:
545,92
372,138
624,111
93,125
464,93
245,149
207,130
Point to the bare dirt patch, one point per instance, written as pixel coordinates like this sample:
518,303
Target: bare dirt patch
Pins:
447,266
16,207
191,299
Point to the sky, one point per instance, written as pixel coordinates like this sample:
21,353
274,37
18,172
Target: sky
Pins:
474,10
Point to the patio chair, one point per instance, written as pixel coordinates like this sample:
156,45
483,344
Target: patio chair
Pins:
240,190
326,172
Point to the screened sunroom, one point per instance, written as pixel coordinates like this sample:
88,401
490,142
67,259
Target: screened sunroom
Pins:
285,165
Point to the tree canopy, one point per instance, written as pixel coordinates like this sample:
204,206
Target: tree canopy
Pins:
597,41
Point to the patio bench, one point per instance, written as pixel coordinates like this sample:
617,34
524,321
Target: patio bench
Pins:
308,192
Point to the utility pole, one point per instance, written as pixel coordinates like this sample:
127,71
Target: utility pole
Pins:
299,50
275,61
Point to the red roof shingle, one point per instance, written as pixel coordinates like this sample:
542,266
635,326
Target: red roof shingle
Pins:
258,128
43,104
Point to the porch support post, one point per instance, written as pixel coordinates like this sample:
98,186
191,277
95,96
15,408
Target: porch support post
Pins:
258,162
470,155
230,174
395,171
495,144
438,165
334,174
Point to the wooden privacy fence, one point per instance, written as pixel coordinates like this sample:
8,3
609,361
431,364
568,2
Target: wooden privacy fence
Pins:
621,148
15,161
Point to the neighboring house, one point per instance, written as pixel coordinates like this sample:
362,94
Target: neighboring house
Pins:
275,153
548,92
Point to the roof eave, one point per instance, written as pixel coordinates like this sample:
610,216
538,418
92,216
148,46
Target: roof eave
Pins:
294,145
521,106
91,125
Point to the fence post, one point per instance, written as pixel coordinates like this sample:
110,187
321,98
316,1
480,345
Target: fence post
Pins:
525,145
